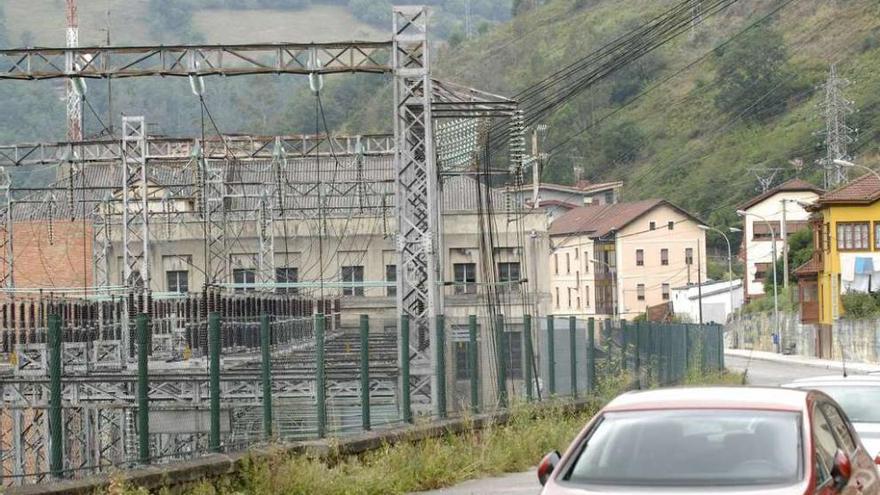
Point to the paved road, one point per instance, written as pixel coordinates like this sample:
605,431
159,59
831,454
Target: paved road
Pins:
772,373
759,373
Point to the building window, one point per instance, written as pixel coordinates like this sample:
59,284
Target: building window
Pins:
586,296
578,302
177,280
557,297
353,275
513,359
462,363
664,256
609,197
877,235
244,276
852,235
286,275
761,231
556,263
586,262
761,270
391,277
640,257
576,254
688,256
652,225
665,289
567,264
640,292
569,298
465,278
826,238
508,275
670,225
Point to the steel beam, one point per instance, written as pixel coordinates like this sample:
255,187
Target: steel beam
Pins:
121,62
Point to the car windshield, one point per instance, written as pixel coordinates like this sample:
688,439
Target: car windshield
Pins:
691,448
859,403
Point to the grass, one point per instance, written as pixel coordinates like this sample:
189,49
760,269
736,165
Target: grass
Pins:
532,431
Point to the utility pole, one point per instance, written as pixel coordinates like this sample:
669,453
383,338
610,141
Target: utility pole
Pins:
837,134
783,233
700,281
74,101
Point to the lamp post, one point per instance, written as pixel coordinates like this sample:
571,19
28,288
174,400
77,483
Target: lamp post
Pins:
729,257
614,312
744,213
844,163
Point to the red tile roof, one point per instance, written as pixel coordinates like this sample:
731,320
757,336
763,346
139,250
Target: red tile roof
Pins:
787,186
865,189
600,220
811,267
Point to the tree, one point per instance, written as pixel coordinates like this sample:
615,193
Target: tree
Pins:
800,250
753,76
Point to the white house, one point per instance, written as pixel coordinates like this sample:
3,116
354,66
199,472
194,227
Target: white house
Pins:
765,213
715,296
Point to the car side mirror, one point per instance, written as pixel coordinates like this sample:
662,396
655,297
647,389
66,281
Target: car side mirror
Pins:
842,469
548,464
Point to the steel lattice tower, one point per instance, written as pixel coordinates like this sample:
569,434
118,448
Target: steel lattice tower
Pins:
837,134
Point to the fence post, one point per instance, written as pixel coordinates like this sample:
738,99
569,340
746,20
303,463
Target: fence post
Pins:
214,385
143,389
266,367
365,372
591,355
440,349
56,452
501,346
687,349
720,330
320,385
527,350
637,362
473,363
572,345
624,342
406,407
551,357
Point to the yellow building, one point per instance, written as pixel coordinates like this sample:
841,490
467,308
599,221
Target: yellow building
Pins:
846,238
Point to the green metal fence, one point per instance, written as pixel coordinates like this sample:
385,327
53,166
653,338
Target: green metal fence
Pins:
336,378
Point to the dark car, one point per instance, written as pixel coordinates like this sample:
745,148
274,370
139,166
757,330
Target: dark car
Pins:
732,440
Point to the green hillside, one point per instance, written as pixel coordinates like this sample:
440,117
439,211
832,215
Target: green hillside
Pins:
692,138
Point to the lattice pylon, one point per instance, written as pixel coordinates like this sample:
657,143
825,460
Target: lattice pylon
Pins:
135,219
417,191
266,256
215,215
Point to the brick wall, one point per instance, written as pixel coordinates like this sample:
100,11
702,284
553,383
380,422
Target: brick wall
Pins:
59,264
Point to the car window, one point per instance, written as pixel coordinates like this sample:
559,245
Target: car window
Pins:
858,402
825,445
679,448
845,440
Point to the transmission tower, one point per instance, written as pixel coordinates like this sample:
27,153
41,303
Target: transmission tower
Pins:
74,100
837,134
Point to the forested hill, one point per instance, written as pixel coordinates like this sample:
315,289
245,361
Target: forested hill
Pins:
696,131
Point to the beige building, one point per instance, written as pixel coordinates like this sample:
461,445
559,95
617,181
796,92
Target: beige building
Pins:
621,259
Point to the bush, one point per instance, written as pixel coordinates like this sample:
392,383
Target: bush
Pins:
860,305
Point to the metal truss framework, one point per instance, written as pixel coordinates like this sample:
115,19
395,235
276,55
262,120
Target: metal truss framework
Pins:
238,147
135,219
417,196
195,60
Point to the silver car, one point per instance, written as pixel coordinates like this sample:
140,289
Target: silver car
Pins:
859,396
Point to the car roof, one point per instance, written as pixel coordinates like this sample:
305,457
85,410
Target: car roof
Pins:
712,397
840,380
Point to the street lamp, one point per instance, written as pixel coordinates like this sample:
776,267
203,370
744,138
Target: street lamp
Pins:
848,164
729,258
744,213
614,301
